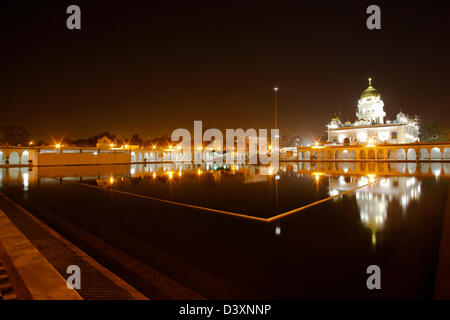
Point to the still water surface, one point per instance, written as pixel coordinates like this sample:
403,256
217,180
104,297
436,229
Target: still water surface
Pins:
388,214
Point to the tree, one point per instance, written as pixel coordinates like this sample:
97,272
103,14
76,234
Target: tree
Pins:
14,136
136,140
41,143
435,132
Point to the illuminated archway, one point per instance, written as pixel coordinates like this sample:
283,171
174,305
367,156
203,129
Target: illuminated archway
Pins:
14,158
411,154
380,154
435,154
307,155
362,155
446,154
2,158
345,155
401,154
391,154
371,154
423,154
337,155
24,157
133,157
329,155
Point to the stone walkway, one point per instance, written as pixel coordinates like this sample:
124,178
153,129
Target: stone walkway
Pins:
41,259
6,288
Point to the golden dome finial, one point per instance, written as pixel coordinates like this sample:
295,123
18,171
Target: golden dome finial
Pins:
370,92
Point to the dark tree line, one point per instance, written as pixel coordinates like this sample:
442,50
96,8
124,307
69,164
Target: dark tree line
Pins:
18,136
435,132
14,136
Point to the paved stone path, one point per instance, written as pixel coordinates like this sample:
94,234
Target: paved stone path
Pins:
96,281
6,288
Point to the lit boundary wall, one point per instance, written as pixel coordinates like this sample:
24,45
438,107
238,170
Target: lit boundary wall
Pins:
381,152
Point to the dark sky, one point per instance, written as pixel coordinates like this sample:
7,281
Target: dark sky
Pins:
153,66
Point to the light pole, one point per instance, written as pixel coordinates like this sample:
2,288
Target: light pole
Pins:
275,90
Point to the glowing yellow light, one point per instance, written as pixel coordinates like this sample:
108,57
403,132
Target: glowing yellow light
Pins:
111,145
170,146
179,147
275,89
370,143
170,173
154,147
154,174
111,180
371,177
200,148
179,173
126,146
58,146
31,143
199,171
317,175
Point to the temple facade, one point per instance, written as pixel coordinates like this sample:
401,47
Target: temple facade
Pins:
371,126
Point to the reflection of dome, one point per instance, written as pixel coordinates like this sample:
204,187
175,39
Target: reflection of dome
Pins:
370,92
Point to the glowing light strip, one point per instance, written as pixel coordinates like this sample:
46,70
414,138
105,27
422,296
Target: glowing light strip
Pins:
282,215
176,203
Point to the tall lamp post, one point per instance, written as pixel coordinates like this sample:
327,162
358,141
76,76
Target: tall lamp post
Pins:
275,90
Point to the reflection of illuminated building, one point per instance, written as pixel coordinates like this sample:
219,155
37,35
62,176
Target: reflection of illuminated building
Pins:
374,199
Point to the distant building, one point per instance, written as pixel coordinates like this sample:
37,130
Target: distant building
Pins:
104,142
371,126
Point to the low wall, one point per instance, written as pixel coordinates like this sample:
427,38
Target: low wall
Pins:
55,159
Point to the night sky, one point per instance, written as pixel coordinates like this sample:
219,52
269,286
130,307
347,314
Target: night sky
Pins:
153,66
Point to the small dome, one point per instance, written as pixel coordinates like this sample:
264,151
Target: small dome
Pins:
370,92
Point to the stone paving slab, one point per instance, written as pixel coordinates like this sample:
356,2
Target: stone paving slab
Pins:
6,287
96,281
39,276
442,288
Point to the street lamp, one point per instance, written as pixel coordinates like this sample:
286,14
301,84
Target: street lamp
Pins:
275,90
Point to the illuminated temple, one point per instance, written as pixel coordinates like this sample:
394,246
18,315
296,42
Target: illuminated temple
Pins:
371,125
